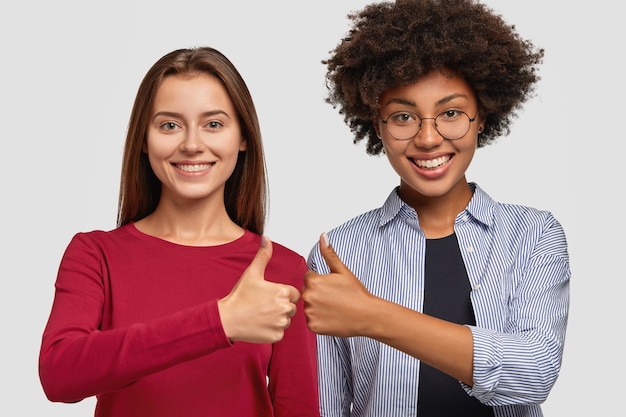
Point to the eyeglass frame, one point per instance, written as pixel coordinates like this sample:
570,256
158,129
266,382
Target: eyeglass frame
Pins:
434,119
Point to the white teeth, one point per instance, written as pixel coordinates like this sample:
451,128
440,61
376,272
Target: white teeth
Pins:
432,163
193,168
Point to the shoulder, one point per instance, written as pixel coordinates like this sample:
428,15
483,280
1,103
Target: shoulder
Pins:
366,220
352,238
285,265
284,254
518,216
252,241
124,242
99,237
531,227
371,224
516,223
372,220
487,210
96,247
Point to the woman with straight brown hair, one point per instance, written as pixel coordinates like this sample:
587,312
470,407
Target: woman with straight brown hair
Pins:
184,309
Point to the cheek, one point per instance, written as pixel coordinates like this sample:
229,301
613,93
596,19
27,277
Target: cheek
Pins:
393,147
157,154
466,151
159,146
394,151
154,164
467,145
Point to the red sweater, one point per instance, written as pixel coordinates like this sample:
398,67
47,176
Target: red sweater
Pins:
135,322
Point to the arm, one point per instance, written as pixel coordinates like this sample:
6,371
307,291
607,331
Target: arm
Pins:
79,359
514,354
339,305
81,355
517,358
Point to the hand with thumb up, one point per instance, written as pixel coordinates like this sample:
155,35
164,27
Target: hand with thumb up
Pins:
337,304
256,310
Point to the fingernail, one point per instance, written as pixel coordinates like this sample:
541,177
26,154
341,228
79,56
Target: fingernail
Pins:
325,239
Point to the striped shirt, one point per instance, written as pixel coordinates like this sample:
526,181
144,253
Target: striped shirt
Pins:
518,267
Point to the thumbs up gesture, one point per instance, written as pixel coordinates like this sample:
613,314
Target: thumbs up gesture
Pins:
256,310
336,304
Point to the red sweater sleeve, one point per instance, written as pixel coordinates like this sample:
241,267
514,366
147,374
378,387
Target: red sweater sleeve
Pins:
78,359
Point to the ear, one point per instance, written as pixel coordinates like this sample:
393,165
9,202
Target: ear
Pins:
144,147
481,125
377,129
243,145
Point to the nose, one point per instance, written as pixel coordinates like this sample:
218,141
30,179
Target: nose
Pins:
192,142
428,136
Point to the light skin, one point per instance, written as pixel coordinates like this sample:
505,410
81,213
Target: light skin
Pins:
338,304
193,141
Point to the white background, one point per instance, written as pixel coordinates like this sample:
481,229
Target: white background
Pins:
69,73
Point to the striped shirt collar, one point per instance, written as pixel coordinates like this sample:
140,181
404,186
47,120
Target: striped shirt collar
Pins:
481,207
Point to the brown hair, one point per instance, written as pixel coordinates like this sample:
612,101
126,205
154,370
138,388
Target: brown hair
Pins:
245,193
394,44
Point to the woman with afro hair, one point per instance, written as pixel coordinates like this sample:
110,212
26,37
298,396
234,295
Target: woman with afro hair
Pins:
442,302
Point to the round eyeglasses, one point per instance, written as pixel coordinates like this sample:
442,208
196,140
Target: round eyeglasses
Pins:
451,124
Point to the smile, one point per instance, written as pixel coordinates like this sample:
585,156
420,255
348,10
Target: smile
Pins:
432,163
193,168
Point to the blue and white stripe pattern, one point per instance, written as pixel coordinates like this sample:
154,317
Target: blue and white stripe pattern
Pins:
518,265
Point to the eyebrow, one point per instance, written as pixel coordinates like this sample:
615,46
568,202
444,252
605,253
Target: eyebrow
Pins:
178,115
444,100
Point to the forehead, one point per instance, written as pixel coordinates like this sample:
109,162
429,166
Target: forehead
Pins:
433,89
198,89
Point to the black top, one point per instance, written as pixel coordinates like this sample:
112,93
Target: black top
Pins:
446,296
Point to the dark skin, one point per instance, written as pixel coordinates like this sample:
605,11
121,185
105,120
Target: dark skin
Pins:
338,304
432,181
437,217
408,56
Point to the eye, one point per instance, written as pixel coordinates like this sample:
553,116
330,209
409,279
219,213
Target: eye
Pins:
168,126
402,117
450,115
214,125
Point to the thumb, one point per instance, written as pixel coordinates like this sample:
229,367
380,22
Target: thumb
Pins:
330,256
261,259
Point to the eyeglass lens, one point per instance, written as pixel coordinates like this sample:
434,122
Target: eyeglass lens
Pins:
453,124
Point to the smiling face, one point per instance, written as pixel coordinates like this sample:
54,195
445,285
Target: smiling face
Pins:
194,137
429,165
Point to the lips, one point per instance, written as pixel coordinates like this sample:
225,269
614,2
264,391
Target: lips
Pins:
194,167
432,163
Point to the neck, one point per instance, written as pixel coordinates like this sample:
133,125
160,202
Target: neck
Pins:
192,223
437,213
